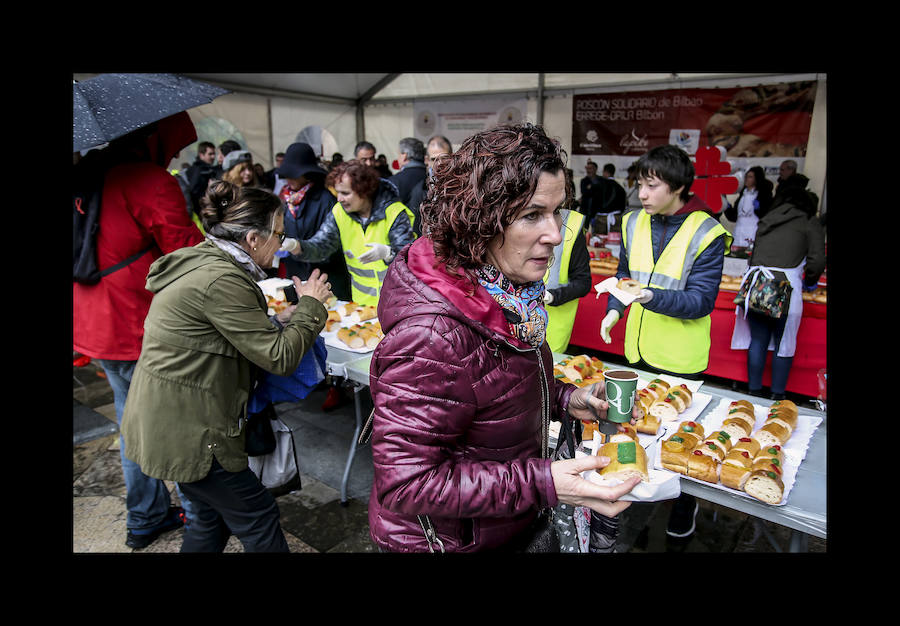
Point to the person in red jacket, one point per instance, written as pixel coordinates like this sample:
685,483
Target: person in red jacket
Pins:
462,383
142,208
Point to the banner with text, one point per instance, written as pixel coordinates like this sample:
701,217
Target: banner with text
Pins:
761,121
458,119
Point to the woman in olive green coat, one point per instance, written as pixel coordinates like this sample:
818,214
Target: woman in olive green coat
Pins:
205,337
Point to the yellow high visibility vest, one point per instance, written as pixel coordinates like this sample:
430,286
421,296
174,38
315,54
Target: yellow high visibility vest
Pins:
561,318
366,278
668,343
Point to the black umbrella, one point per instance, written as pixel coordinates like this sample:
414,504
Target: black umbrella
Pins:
109,106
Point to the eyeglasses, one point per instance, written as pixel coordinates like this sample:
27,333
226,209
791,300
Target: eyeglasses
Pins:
281,235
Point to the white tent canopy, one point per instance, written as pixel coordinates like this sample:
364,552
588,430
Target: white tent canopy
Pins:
271,110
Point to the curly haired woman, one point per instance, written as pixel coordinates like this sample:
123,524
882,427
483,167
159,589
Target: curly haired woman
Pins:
462,382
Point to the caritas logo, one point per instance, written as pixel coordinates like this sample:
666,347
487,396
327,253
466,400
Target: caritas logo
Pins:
592,142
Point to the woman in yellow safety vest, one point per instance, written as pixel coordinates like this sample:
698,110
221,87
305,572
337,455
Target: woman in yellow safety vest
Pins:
368,222
567,280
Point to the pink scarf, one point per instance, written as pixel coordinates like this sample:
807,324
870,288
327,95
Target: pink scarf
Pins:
294,198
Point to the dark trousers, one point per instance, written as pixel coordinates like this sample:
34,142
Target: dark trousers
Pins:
226,503
762,329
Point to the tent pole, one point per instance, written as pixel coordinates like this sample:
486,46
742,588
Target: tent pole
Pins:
271,131
540,99
360,122
363,99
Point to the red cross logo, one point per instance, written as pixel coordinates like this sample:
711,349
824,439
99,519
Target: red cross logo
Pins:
712,178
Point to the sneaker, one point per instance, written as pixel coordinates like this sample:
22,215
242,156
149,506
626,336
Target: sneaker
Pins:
682,520
141,539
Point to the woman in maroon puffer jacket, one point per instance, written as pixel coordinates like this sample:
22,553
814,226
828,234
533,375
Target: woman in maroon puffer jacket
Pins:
462,382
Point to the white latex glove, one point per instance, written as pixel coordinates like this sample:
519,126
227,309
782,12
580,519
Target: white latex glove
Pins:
290,246
606,325
379,252
548,297
645,297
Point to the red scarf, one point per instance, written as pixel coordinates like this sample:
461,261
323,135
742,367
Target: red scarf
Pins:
293,198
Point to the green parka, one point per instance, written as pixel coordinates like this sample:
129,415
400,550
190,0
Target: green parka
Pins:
206,331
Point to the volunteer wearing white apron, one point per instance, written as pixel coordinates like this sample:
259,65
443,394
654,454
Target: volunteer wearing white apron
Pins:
751,205
789,239
745,228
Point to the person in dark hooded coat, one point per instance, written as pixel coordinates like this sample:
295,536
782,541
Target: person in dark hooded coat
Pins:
790,243
308,203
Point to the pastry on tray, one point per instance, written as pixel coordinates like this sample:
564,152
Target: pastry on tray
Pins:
626,459
703,467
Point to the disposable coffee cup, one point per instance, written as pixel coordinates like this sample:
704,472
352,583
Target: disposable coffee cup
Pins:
621,387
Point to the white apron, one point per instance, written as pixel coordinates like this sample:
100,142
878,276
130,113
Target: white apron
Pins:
740,338
745,226
610,219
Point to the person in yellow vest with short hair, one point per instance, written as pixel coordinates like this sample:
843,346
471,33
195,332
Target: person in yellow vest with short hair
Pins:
566,280
368,222
675,249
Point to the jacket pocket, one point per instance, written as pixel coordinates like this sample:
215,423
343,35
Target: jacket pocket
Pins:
466,531
236,419
212,343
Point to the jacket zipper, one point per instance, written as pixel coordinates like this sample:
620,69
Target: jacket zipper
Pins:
545,399
662,237
545,407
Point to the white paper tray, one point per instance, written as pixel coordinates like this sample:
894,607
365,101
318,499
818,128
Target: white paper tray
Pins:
270,287
331,338
794,450
609,285
663,485
332,341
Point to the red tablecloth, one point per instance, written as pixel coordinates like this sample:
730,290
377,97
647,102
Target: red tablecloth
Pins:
724,362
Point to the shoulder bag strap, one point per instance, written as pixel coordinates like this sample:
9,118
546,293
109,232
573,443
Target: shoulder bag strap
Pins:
128,261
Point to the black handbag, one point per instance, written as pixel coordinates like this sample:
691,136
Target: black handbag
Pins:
765,291
544,537
259,436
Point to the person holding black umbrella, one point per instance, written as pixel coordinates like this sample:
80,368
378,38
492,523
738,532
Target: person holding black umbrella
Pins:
143,215
142,208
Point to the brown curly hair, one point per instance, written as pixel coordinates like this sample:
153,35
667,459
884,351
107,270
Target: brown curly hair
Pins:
364,179
478,191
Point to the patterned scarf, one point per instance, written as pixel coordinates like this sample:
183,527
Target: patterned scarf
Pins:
240,255
523,306
293,198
